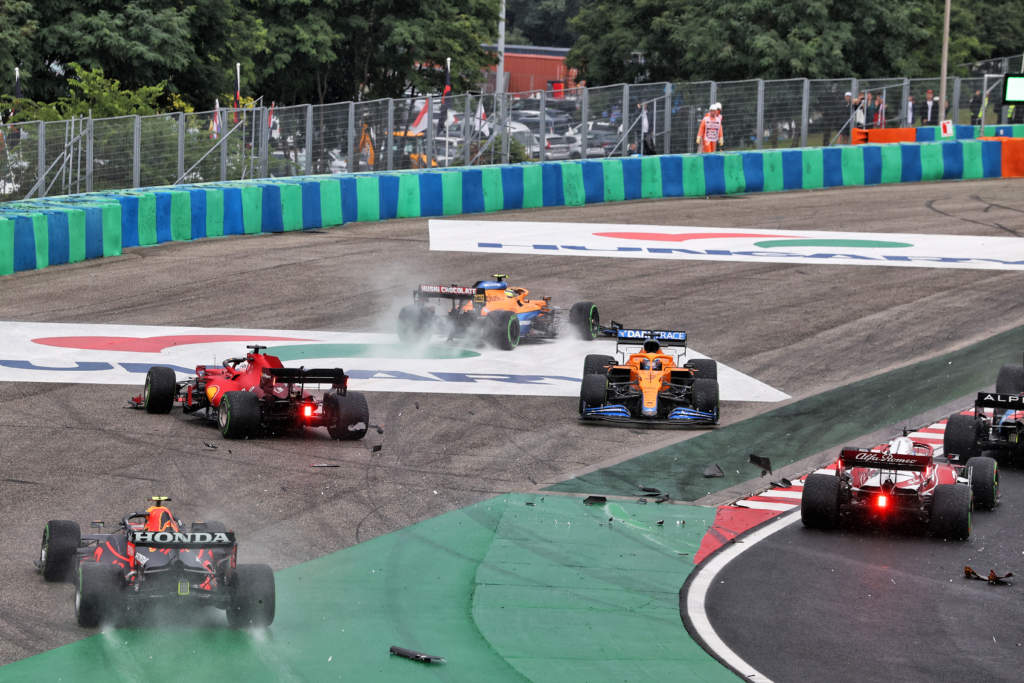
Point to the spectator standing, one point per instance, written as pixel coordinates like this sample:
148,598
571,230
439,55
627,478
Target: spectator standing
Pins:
908,119
870,110
879,112
930,110
710,131
975,106
842,119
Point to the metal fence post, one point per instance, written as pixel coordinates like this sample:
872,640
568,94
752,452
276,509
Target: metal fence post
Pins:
389,141
351,158
668,119
41,153
585,123
89,154
759,133
429,161
467,131
181,145
224,156
712,94
625,120
956,100
137,152
309,139
543,123
264,144
805,113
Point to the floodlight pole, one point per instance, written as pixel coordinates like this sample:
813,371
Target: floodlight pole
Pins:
945,64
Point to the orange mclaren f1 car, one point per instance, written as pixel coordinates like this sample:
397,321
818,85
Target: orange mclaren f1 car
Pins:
649,386
494,311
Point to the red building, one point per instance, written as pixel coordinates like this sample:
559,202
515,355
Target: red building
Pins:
528,67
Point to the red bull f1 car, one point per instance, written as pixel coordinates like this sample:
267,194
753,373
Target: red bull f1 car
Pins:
900,482
492,311
256,394
647,385
153,559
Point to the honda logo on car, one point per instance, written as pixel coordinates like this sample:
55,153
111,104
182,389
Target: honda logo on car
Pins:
161,538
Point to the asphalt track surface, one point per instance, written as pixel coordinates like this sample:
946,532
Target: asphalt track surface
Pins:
72,451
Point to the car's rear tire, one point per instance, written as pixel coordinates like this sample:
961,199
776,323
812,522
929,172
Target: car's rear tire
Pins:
351,416
984,482
1010,379
98,594
161,387
61,539
238,415
503,329
253,596
705,396
593,391
704,368
961,437
951,512
596,364
414,323
585,319
819,504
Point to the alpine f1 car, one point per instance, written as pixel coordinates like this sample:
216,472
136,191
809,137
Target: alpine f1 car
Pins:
151,559
996,428
493,311
649,386
900,481
257,394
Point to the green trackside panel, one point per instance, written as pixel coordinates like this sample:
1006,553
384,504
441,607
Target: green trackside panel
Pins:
409,195
181,216
892,163
614,182
42,237
973,167
214,212
367,198
451,191
112,243
494,195
572,184
853,165
330,203
693,176
650,177
533,187
6,246
814,169
291,206
772,161
76,235
931,161
147,219
252,209
735,181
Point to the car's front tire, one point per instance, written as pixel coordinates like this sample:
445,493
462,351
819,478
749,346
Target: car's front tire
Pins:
984,481
161,387
705,396
593,391
61,539
585,319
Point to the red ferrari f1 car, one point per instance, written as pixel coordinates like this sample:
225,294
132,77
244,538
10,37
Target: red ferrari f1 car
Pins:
257,394
152,559
900,480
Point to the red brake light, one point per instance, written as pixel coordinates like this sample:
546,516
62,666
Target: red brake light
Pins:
307,410
882,501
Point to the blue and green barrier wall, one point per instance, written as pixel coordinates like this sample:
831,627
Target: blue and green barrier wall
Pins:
39,233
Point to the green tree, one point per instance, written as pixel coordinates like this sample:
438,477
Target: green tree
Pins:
89,92
541,22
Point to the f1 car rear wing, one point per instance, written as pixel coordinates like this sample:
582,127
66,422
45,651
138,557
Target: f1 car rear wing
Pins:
182,539
630,335
868,457
988,399
334,376
458,292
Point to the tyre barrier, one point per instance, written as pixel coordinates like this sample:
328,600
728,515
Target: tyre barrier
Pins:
38,233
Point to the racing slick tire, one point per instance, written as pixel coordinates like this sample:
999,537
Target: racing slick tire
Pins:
161,386
238,415
585,319
819,504
705,396
414,323
98,594
503,329
961,437
1010,379
57,551
596,364
984,482
593,391
351,416
705,368
252,600
951,512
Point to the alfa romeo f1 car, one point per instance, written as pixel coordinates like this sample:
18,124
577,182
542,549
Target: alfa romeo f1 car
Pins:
996,428
649,386
257,394
900,481
491,310
151,559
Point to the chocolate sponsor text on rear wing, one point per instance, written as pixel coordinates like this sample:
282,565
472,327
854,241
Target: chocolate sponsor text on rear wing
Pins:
458,292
